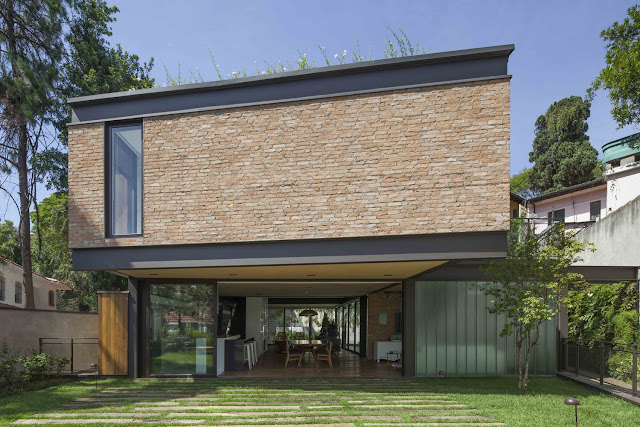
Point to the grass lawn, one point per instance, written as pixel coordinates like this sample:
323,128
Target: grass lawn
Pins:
357,402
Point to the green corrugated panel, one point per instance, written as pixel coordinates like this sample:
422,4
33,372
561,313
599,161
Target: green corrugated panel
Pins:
455,333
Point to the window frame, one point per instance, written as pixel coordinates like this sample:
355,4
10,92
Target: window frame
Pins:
3,289
598,216
51,298
552,219
18,285
108,162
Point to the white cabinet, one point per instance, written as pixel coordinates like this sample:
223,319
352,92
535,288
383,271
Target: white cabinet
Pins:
381,348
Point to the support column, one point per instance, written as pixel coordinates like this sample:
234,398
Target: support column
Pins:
134,338
363,324
214,333
409,328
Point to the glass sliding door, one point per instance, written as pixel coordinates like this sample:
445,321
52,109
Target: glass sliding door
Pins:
350,325
182,329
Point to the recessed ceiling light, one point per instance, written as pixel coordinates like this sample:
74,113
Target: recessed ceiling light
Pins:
388,275
311,275
232,274
259,295
153,274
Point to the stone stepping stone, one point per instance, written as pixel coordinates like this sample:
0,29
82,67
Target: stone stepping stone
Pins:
401,402
436,424
315,419
98,414
158,403
290,425
404,405
41,421
223,407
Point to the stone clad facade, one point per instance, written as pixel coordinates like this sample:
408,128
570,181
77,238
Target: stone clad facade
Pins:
426,160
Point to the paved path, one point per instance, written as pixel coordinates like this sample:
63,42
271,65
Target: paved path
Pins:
308,402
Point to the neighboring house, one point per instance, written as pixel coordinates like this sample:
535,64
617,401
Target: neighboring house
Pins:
327,186
12,290
577,206
582,205
622,170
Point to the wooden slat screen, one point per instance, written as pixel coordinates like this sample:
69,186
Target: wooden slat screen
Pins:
113,334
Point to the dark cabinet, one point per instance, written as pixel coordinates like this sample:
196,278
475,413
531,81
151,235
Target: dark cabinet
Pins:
234,355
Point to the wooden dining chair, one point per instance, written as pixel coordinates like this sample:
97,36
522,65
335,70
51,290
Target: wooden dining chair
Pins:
324,353
293,354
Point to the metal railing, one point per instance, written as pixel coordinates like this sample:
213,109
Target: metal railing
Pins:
611,363
81,352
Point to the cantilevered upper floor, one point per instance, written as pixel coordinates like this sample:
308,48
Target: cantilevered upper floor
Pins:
410,147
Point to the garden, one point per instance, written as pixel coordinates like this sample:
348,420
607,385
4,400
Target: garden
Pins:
31,370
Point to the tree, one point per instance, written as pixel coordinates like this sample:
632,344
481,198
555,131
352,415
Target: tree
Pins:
93,66
526,286
31,41
562,154
621,74
10,242
521,184
52,258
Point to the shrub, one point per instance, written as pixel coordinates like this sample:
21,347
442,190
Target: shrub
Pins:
8,361
40,365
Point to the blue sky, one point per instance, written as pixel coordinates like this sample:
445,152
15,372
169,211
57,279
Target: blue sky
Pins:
558,48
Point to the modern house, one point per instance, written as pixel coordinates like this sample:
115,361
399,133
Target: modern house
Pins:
12,290
373,189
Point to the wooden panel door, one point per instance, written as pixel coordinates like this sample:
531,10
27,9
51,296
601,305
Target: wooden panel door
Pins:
113,334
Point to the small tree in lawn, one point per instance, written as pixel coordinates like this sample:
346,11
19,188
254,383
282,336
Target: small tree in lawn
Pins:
526,286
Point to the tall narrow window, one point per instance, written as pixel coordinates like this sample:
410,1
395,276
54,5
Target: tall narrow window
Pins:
125,180
2,289
595,208
18,293
52,299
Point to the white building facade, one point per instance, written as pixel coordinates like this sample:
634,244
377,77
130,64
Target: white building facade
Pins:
12,289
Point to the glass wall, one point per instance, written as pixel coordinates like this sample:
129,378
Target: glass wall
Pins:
351,326
181,329
287,320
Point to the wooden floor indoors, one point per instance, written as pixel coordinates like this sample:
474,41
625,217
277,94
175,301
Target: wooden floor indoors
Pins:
345,364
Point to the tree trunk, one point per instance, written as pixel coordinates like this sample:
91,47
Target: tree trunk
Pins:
25,220
22,163
519,358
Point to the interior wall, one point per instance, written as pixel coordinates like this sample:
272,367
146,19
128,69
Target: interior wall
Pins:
256,326
456,334
387,305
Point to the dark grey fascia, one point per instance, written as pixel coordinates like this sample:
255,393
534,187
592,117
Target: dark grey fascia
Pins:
467,272
430,247
438,68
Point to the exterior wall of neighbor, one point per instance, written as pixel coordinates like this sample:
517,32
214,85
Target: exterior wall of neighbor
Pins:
390,304
12,273
456,334
412,161
614,238
22,328
623,185
576,207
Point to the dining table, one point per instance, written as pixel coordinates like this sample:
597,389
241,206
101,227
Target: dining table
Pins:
306,345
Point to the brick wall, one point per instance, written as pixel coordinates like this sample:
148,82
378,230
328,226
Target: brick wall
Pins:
417,161
381,303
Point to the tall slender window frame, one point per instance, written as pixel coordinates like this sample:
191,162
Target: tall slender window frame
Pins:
114,223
